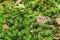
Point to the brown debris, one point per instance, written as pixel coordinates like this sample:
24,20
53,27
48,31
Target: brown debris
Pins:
59,30
57,38
17,2
51,26
5,26
58,21
31,31
31,25
42,19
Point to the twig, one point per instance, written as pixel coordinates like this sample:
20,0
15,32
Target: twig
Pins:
13,17
17,2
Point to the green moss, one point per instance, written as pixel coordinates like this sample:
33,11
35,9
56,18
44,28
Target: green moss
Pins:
20,20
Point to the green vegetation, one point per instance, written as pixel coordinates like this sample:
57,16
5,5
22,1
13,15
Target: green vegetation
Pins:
19,19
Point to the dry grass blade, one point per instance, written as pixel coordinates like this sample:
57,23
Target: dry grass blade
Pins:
17,2
57,38
5,2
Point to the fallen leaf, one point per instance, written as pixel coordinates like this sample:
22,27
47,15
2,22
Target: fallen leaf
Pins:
59,30
41,19
58,21
51,26
5,26
31,31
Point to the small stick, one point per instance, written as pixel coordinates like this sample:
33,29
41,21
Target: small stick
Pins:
18,1
14,17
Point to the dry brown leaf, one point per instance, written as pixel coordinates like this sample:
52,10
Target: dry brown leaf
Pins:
31,30
51,26
59,31
57,38
58,21
17,2
5,26
41,19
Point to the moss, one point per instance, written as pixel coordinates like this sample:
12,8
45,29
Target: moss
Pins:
20,19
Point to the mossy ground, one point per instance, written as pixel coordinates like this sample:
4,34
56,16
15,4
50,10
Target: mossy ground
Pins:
19,20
